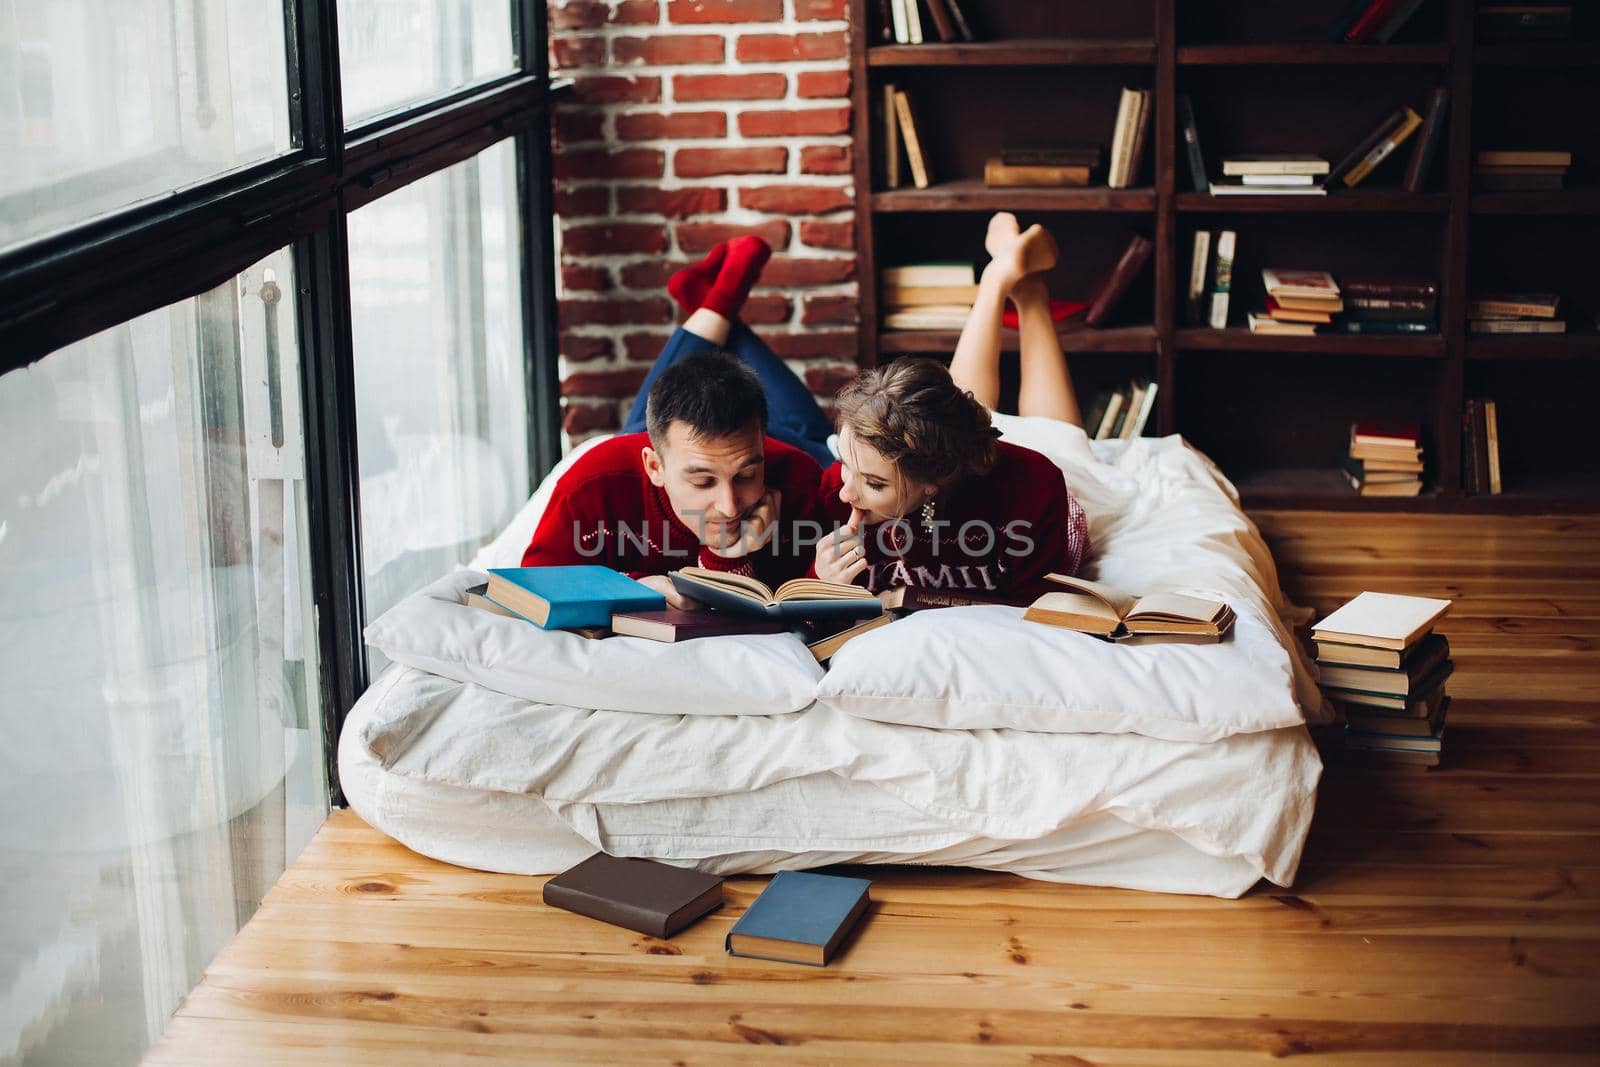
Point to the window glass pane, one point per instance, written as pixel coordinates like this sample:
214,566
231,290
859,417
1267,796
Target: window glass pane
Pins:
163,756
441,412
395,52
104,103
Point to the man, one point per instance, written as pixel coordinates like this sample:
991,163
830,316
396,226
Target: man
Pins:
702,486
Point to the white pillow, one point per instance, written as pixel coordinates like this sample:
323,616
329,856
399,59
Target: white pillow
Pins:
986,668
433,630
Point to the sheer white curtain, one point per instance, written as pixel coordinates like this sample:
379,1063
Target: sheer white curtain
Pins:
163,757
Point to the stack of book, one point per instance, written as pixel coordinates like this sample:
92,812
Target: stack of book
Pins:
1524,20
1372,21
900,21
1390,305
934,295
1298,301
1272,175
1385,459
1211,278
1128,136
1385,668
1065,166
1503,171
1515,313
1480,447
1122,413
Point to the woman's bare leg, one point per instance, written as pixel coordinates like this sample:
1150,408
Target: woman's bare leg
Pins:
1016,254
708,325
1046,387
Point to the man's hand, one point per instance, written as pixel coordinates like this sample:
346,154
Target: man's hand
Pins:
842,555
663,585
754,529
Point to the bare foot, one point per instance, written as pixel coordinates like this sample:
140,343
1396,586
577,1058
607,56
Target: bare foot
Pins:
1003,232
1031,252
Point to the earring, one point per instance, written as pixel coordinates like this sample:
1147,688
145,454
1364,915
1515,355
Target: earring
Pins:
927,516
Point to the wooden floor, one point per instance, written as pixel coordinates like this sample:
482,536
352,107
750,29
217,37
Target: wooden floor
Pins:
1441,916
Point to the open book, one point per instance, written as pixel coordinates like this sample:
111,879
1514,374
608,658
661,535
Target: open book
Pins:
1102,611
798,598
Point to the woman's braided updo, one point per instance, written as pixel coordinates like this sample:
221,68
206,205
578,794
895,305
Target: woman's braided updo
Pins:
913,414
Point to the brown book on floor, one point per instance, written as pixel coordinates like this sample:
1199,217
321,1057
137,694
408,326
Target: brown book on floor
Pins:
921,173
1119,281
1381,620
653,898
1402,681
1104,611
1392,658
671,625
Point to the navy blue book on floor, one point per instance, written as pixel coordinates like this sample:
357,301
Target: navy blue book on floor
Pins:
799,918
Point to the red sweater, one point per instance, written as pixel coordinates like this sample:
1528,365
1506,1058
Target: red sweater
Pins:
1023,525
605,510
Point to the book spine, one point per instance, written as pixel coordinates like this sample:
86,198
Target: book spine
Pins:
1509,309
891,139
1467,485
1491,423
609,911
886,21
962,22
1517,325
1191,144
1384,326
914,21
1480,447
1427,144
902,32
1383,150
908,130
1222,284
1122,276
1399,17
1370,20
999,174
1141,131
1359,152
1198,261
942,21
1388,303
1348,19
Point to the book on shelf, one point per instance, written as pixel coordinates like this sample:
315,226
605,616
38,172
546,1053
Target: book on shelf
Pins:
1381,620
1275,166
1517,325
1300,284
671,625
943,22
1396,308
1121,413
1191,145
1386,434
477,596
823,641
652,898
963,23
1385,326
1391,658
921,173
1244,188
1378,136
1520,171
930,273
1222,279
900,29
1376,21
1522,158
1283,313
1373,287
1428,140
1103,611
893,153
885,21
1412,487
1129,132
929,317
1524,21
1513,306
563,598
1491,437
800,917
1474,448
1409,124
1115,285
914,29
798,598
1265,324
1194,293
1380,473
1027,155
1369,720
1278,181
998,174
923,295
1104,420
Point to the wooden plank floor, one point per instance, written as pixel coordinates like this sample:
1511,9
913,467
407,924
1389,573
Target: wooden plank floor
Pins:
1447,916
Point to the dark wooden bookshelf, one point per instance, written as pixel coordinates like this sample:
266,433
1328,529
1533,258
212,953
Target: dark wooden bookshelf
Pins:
1272,411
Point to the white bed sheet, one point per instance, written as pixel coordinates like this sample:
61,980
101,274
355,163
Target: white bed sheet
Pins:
472,776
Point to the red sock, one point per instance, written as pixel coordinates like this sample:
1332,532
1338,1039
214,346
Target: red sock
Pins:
741,268
691,284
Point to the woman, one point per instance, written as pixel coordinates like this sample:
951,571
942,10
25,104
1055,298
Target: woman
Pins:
928,497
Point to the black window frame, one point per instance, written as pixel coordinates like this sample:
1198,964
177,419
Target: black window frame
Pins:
70,285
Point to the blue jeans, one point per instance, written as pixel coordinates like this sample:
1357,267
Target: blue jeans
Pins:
793,415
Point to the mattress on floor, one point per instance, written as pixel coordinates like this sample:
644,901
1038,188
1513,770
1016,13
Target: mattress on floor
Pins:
474,777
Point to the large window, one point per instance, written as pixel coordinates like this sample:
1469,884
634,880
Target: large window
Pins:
276,348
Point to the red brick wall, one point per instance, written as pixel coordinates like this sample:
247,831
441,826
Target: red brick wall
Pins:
694,121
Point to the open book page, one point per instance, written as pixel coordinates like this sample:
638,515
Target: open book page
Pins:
1075,611
1113,598
817,589
1174,606
737,583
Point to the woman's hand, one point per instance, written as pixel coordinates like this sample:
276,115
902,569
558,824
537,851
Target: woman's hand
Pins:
842,555
663,585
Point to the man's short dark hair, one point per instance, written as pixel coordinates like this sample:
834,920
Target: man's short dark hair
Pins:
712,393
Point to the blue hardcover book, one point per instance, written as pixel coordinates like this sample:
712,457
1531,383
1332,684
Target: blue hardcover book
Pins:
564,598
799,918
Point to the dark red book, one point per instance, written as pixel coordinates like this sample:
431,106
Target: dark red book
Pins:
653,898
1374,17
1389,288
1060,311
1117,283
671,625
942,21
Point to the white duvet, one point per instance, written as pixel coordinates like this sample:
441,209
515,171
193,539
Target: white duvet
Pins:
759,790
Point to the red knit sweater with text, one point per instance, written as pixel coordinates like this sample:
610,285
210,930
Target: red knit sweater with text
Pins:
606,511
994,537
